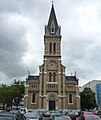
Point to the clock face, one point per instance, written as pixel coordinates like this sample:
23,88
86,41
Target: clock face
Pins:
52,66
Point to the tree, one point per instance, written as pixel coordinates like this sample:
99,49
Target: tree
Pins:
88,100
10,93
18,89
3,94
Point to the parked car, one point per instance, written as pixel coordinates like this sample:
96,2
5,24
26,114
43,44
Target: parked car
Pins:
72,115
31,116
76,112
89,117
46,113
13,111
11,116
99,113
38,113
30,110
62,117
86,112
54,113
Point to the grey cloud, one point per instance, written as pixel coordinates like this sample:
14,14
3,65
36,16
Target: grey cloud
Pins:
22,22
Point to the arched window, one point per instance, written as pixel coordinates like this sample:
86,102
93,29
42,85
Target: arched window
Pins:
50,47
50,77
33,98
54,47
52,30
54,77
70,98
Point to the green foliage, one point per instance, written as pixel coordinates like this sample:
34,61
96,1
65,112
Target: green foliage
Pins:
88,100
12,93
18,87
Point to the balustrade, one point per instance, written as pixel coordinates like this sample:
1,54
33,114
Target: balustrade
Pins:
52,87
33,87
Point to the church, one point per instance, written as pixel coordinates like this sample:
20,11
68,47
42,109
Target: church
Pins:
52,89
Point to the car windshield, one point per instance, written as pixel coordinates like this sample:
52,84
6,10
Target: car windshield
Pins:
6,118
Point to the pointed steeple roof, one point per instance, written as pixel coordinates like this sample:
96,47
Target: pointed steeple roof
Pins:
52,22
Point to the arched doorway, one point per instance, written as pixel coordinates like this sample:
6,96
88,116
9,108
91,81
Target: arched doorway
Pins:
52,101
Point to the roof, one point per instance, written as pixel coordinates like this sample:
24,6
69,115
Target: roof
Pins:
71,78
36,78
32,77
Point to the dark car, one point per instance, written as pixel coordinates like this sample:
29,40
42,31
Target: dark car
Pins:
11,116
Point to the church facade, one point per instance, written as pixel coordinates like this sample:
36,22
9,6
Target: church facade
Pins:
52,89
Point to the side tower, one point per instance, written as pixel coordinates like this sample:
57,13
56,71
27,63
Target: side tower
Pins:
52,72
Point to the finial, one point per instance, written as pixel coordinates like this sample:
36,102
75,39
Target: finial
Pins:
75,73
28,73
52,2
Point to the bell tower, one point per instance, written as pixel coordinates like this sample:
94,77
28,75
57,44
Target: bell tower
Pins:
52,72
52,37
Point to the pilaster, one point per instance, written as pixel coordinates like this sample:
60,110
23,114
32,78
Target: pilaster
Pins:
40,102
44,103
26,96
64,104
40,86
77,98
59,102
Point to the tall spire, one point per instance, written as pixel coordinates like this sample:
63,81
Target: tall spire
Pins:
52,22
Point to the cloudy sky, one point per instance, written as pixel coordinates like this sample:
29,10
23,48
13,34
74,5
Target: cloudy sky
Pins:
22,37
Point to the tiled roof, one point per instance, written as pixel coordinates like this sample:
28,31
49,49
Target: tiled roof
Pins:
71,78
36,78
32,77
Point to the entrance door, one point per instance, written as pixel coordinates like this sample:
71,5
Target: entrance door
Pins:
51,105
